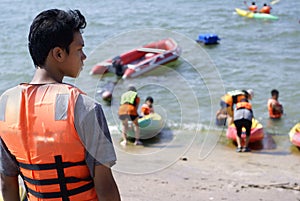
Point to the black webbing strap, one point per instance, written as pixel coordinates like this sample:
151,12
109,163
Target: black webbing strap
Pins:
54,181
61,178
62,181
74,191
49,166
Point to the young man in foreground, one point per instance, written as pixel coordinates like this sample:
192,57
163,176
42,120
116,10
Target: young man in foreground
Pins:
52,134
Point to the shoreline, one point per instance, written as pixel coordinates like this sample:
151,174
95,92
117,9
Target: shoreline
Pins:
264,174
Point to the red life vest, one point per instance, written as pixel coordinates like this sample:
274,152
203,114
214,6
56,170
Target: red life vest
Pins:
274,114
265,9
145,109
37,126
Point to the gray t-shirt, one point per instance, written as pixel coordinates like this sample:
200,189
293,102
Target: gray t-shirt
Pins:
243,114
92,129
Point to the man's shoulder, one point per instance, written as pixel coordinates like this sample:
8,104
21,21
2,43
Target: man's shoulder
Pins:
10,90
271,101
86,103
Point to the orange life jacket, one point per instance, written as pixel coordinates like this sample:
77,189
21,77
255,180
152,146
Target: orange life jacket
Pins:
274,114
145,109
232,99
265,9
244,105
37,126
253,8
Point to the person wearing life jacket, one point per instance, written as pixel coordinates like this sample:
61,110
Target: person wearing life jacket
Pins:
221,117
52,134
274,107
128,112
147,107
265,9
243,115
120,68
252,7
233,97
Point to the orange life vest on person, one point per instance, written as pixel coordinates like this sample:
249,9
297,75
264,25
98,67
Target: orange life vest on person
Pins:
253,8
274,114
37,126
244,105
233,98
145,109
265,9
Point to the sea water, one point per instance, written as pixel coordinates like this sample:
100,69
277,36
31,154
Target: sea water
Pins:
257,54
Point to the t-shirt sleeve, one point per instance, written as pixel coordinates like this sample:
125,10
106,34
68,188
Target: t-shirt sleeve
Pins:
91,125
8,164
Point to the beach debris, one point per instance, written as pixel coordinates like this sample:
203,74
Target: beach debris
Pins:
287,186
183,158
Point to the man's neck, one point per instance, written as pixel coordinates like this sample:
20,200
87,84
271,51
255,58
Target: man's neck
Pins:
42,76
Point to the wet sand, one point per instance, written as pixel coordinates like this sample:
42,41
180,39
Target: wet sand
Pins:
270,172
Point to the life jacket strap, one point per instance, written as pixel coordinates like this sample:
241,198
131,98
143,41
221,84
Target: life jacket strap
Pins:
49,166
63,195
62,181
44,182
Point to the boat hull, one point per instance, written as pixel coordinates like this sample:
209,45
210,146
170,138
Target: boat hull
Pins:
257,132
249,14
294,135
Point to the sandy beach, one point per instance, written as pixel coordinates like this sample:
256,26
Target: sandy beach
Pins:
265,174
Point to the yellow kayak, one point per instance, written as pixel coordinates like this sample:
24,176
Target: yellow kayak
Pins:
249,14
294,135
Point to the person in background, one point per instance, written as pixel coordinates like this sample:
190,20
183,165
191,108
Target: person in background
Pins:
147,107
221,117
274,107
52,134
265,9
233,97
243,115
252,7
117,63
128,112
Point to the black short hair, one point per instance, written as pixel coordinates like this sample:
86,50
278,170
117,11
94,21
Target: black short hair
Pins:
150,99
53,28
132,88
274,92
246,93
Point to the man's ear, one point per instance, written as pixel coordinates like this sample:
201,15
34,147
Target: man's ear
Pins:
58,54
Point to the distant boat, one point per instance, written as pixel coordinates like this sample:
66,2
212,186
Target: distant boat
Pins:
140,60
249,14
208,39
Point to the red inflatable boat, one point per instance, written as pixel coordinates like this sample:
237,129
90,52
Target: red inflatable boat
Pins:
141,60
257,132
